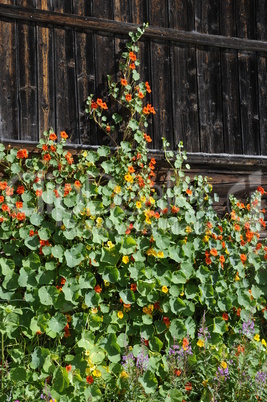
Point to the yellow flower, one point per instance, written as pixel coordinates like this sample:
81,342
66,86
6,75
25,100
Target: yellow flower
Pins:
200,343
257,337
106,283
138,204
110,244
164,289
147,220
84,306
224,365
263,341
206,239
120,314
117,189
84,154
188,229
143,198
124,374
226,251
148,310
87,353
205,383
237,277
182,294
125,259
151,251
160,254
96,373
128,178
94,310
151,200
99,222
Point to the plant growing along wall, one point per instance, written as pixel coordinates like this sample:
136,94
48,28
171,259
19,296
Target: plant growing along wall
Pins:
108,291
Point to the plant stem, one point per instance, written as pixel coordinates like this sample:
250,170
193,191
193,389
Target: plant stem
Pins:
3,358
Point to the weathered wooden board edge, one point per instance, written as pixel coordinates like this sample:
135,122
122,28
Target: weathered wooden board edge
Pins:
96,24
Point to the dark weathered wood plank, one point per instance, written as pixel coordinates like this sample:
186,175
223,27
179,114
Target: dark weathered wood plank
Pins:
8,84
161,77
246,19
85,70
28,96
46,72
209,83
262,74
182,14
103,9
230,89
96,24
65,77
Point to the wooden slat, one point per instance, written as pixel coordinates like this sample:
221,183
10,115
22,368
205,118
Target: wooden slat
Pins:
230,88
184,91
46,73
65,77
28,96
161,78
85,70
262,74
8,84
96,24
209,83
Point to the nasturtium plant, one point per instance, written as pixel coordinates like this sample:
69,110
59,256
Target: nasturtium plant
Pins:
111,291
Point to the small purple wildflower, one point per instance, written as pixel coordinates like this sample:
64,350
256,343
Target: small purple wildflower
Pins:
248,329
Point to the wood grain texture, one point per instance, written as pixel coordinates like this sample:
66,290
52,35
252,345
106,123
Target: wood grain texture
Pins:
8,82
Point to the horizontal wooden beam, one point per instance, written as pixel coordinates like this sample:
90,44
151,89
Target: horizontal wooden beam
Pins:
210,161
95,24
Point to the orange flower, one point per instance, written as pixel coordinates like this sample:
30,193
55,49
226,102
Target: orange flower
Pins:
209,225
47,157
175,209
189,192
69,367
53,148
132,56
128,97
132,66
98,289
77,184
131,169
2,199
260,190
56,193
23,153
94,105
243,258
214,252
21,216
9,191
124,82
185,343
222,260
145,110
166,321
69,158
147,87
89,379
39,193
3,185
44,147
147,138
140,95
177,372
32,233
19,204
237,228
53,137
225,317
5,208
64,135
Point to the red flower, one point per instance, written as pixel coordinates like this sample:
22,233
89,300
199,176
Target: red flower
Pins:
177,372
69,367
44,147
19,204
23,153
175,209
53,148
261,190
225,317
166,320
39,193
32,233
3,185
53,137
89,379
133,287
188,386
21,216
98,289
2,199
5,208
47,157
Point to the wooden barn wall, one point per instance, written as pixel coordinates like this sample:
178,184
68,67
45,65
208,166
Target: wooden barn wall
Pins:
209,87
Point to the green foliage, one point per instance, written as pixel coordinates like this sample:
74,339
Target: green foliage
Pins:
110,292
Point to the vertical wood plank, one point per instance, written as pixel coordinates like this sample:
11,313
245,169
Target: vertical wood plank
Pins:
85,70
248,89
65,77
28,96
262,74
8,84
209,83
184,88
230,90
46,72
104,58
161,77
182,14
